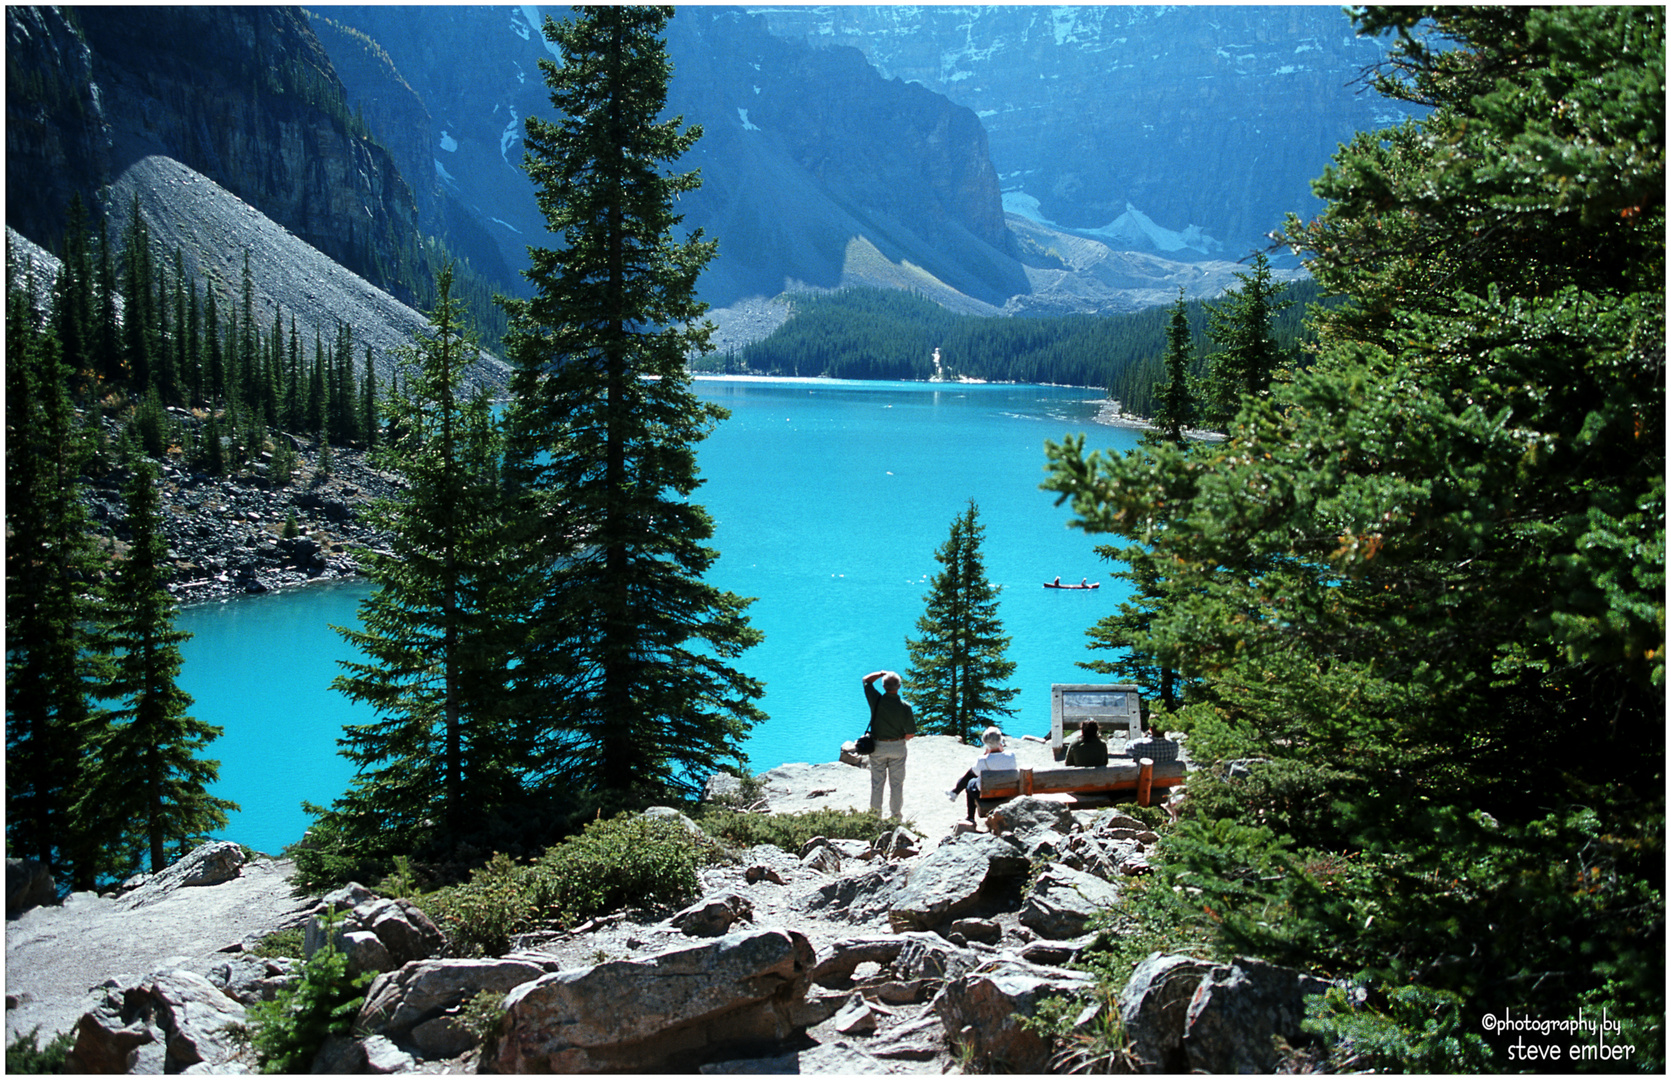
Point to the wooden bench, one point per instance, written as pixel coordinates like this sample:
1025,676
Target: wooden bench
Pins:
1117,781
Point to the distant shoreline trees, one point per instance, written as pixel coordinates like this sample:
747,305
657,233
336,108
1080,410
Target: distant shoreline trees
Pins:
863,333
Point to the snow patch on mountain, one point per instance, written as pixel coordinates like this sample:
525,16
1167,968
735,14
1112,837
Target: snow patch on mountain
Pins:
1134,226
531,12
1131,228
511,136
1019,202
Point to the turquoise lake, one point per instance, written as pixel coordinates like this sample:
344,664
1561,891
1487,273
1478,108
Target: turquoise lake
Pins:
829,500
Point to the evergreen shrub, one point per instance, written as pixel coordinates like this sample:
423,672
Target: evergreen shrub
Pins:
789,831
1421,1030
1294,798
151,426
288,1031
625,861
25,1056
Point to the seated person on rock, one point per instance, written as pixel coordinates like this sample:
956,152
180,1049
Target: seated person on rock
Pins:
1088,749
993,758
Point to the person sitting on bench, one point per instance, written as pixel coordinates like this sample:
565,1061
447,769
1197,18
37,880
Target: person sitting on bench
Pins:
1154,746
1088,749
994,758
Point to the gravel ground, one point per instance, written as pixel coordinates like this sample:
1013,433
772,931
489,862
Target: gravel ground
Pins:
54,955
933,763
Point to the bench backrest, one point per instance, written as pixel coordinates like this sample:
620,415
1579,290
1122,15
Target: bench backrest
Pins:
1119,775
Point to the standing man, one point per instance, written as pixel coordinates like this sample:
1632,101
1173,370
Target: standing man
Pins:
891,724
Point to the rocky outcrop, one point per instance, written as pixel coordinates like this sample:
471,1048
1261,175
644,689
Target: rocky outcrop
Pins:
984,1010
207,864
167,1022
1154,1006
28,884
248,98
1062,902
376,934
1241,1012
955,878
1193,126
1183,1014
686,1005
797,989
415,1006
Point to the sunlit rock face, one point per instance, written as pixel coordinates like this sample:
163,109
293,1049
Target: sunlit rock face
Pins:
1187,131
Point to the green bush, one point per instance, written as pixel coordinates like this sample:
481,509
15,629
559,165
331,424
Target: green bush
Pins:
24,1055
288,1031
280,943
151,426
626,861
789,831
324,858
1298,800
1423,1030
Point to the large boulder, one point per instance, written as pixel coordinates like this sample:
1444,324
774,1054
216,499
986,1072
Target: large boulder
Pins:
248,979
403,928
686,1005
713,915
377,934
1154,1006
207,864
955,878
28,884
860,898
1240,1011
1039,823
983,1011
426,991
1062,902
929,956
166,1022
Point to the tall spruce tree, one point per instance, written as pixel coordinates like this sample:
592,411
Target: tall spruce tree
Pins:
1426,578
438,759
631,648
53,664
148,788
1175,412
1125,632
1247,353
958,660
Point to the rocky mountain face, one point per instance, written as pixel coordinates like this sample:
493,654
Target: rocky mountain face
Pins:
245,96
816,170
998,160
1185,131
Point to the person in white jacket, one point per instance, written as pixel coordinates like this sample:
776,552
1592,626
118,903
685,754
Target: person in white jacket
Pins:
993,758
